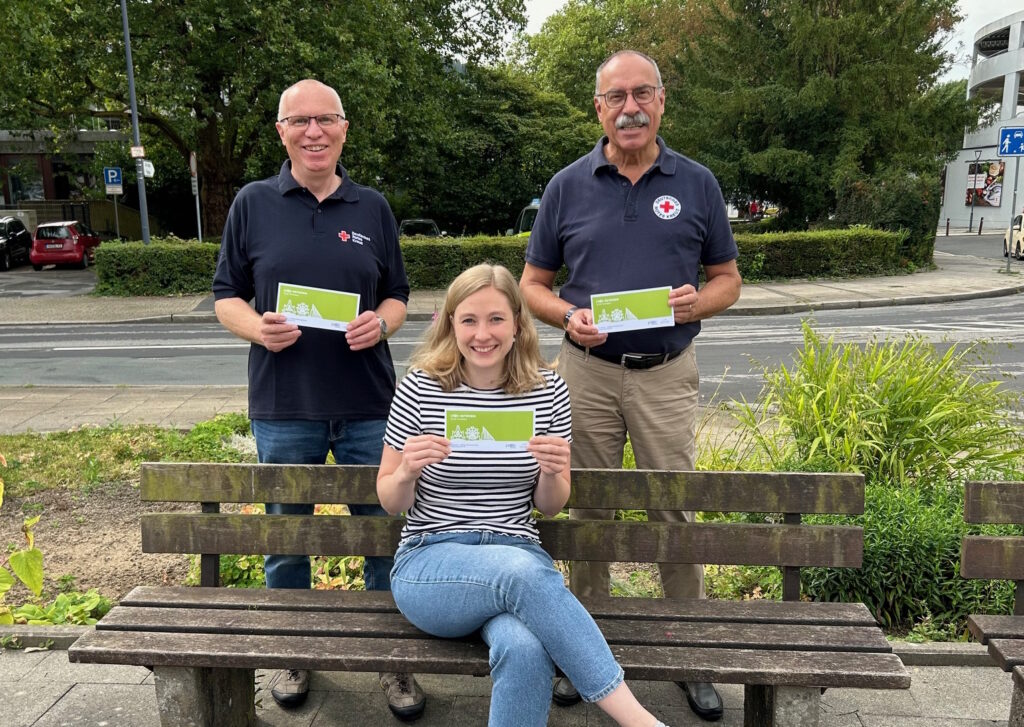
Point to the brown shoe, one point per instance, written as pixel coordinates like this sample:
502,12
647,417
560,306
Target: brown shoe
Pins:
405,698
290,687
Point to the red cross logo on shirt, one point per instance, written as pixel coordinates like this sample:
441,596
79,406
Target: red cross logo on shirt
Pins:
344,236
666,206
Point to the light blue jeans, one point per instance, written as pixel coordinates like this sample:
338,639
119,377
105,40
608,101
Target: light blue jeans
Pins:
302,441
453,584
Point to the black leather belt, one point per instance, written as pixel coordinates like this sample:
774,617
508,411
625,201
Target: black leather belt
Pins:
631,360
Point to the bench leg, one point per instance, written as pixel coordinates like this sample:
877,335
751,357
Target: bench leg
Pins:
1017,700
767,706
203,697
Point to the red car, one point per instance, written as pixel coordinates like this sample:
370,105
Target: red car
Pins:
63,242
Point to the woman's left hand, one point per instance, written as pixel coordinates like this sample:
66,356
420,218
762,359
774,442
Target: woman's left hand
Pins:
551,452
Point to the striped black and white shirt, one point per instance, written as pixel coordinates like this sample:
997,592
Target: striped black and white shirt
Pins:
475,491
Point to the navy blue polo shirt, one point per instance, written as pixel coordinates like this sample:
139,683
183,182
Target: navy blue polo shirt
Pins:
614,235
277,232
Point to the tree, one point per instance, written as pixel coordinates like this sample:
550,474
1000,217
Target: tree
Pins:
794,101
209,72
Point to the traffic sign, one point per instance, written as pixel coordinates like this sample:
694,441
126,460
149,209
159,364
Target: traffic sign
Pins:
138,152
193,168
112,175
1011,141
195,187
148,169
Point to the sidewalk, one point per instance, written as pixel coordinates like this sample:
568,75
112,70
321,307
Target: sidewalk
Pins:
952,685
41,689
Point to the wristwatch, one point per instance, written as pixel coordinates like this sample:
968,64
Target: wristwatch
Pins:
568,316
383,329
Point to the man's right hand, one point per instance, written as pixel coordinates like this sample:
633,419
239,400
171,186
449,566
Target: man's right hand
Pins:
583,330
275,334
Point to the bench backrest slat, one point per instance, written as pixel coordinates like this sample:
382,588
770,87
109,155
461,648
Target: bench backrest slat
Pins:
720,543
994,502
992,557
771,492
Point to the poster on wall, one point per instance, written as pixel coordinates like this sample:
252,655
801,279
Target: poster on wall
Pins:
985,183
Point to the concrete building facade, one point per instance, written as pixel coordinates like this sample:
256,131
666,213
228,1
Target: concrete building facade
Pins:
979,183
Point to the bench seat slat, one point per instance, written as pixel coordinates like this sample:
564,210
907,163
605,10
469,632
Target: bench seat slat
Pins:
1008,653
758,611
992,557
666,663
805,492
994,502
393,625
988,626
644,542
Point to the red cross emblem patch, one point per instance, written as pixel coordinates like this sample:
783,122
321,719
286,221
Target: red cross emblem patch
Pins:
344,236
666,207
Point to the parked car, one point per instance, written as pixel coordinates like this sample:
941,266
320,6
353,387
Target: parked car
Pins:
427,228
15,242
1013,239
71,241
524,222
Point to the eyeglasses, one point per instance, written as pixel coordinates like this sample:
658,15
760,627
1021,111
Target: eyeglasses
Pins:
616,98
324,121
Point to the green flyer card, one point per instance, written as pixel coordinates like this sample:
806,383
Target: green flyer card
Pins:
631,310
488,430
317,307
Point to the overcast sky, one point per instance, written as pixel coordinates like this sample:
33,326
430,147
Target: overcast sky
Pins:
976,14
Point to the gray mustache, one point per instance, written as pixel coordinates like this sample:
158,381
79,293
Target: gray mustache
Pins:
631,121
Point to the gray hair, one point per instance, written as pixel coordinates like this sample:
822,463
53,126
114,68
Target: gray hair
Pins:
303,82
616,54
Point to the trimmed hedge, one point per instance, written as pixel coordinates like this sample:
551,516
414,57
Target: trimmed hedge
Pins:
169,266
166,266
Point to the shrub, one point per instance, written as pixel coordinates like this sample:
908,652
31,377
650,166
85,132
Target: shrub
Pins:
821,253
166,266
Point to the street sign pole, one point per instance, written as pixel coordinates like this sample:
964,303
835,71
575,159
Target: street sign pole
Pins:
1011,144
139,172
113,181
117,222
194,170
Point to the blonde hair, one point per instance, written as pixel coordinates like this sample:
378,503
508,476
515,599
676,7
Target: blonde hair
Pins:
439,357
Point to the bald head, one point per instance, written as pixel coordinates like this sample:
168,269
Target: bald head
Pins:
304,85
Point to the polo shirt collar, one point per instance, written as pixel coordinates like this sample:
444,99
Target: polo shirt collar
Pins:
346,190
665,162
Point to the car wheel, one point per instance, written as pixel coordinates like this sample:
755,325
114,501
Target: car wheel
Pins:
5,260
85,259
1016,252
37,268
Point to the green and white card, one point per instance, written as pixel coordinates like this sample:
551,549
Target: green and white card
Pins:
488,430
317,307
632,310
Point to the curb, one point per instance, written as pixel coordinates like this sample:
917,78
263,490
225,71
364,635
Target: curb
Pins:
935,653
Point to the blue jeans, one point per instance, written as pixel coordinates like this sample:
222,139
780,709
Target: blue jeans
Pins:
301,441
453,584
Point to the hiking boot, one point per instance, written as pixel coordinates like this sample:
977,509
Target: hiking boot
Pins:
564,694
290,687
405,698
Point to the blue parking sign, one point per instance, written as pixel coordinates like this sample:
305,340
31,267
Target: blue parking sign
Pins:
112,175
1011,141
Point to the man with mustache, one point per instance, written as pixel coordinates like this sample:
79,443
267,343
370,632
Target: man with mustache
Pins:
631,215
314,390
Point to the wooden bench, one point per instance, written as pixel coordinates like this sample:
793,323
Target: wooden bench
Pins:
205,643
1001,558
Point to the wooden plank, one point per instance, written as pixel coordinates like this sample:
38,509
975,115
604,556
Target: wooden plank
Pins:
755,612
244,483
1008,653
986,626
805,492
994,502
445,656
394,625
723,543
992,557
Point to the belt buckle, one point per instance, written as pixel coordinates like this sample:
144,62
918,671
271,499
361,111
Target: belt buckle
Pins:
632,360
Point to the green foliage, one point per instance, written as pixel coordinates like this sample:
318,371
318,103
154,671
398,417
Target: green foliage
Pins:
900,412
911,571
433,263
164,267
821,253
236,571
72,609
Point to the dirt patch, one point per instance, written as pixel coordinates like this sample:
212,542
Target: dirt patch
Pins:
93,536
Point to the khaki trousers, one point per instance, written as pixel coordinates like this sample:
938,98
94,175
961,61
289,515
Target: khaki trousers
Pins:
657,408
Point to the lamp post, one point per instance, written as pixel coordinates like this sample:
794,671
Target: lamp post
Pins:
974,188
